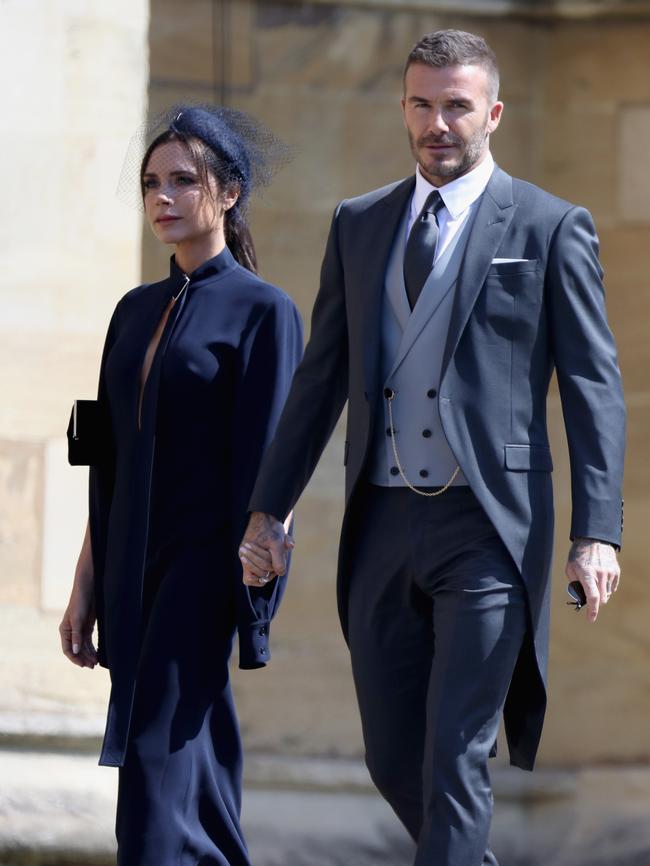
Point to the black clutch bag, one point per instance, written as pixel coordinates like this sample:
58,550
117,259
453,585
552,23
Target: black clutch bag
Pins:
88,434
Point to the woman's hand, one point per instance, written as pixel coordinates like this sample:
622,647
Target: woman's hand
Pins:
76,629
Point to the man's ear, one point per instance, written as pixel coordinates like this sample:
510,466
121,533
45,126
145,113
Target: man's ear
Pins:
495,116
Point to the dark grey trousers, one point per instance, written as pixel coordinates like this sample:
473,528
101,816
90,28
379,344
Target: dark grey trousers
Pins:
437,615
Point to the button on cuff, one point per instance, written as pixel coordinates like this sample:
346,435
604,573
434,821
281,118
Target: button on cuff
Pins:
254,650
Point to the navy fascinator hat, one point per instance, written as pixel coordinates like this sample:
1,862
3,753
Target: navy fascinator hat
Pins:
241,149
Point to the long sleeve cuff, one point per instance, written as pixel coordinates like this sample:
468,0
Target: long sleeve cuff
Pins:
254,649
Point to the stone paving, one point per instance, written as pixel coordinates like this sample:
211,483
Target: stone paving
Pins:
57,806
57,809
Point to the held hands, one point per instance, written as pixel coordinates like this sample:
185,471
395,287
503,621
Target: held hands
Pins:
264,547
595,565
76,629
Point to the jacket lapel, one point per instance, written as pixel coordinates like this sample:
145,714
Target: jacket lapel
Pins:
495,212
394,286
374,248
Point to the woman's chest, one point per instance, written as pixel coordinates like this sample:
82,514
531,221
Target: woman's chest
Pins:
190,360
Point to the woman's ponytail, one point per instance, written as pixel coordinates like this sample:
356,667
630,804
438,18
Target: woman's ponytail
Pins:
239,239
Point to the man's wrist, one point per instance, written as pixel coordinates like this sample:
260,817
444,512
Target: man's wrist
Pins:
264,517
588,540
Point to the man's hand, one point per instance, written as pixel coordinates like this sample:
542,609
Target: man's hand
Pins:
595,565
263,549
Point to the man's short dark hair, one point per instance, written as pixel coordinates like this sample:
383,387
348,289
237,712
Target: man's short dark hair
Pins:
456,48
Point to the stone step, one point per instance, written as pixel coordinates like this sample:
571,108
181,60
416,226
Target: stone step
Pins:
57,809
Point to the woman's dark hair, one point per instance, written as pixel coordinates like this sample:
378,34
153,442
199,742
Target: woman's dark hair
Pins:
227,174
444,48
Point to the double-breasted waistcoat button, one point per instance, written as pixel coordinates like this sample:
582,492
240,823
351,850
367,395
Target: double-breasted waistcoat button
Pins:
389,393
431,393
394,470
427,433
424,473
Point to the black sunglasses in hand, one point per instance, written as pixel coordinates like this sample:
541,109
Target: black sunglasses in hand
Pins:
577,593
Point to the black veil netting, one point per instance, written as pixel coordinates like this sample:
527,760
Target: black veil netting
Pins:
246,151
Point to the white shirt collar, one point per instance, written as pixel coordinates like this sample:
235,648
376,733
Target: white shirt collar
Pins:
458,194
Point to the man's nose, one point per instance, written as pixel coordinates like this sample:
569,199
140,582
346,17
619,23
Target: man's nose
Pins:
438,122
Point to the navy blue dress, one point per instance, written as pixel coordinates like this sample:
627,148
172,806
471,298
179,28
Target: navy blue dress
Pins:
168,506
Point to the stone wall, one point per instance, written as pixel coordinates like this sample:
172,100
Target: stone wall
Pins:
75,87
74,76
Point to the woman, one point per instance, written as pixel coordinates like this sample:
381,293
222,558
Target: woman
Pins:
194,374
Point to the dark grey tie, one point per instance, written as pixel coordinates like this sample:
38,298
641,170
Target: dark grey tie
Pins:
420,249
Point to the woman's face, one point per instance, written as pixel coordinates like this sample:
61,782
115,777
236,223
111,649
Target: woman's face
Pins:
177,204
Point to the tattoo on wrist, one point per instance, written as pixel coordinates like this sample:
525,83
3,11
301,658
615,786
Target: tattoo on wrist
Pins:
265,529
591,553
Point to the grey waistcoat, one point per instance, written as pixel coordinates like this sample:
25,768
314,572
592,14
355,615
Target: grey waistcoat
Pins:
412,346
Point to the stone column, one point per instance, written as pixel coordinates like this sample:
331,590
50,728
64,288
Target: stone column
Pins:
75,89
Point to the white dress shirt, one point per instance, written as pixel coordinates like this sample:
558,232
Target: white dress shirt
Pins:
460,198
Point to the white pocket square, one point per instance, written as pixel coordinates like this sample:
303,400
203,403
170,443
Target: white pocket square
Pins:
508,261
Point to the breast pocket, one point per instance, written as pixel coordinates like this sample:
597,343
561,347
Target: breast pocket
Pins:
510,301
513,268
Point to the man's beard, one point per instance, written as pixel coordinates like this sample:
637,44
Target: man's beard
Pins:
470,153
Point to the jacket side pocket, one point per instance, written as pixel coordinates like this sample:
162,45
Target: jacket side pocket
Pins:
528,458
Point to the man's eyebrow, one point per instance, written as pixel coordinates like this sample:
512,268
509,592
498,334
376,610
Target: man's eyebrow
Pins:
418,99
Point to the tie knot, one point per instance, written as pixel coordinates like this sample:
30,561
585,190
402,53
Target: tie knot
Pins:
434,203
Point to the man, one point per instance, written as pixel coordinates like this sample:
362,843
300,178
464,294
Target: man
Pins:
446,300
